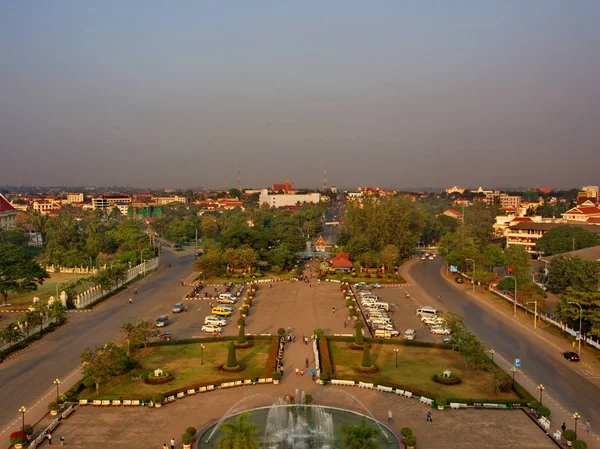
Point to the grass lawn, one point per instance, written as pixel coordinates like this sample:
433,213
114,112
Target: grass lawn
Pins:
44,291
183,362
416,367
395,279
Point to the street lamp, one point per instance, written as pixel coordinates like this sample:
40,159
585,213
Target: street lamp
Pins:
473,280
534,313
576,417
515,297
201,354
57,383
22,410
492,352
580,316
541,388
447,254
513,370
396,351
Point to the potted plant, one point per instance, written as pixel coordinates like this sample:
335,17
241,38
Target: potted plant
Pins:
276,377
578,444
570,436
544,411
28,429
188,437
406,431
410,441
54,407
158,399
18,439
440,402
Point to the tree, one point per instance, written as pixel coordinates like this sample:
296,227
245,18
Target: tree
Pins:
366,360
516,261
358,336
18,271
493,256
238,434
137,334
102,362
210,263
231,357
388,257
242,334
563,239
582,275
590,306
360,436
209,227
11,334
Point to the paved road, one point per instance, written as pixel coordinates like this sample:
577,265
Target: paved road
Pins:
576,388
330,232
29,375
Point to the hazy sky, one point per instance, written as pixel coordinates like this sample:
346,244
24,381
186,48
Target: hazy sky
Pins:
390,93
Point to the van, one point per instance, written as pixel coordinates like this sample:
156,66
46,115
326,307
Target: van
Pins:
382,305
385,333
426,311
221,311
409,334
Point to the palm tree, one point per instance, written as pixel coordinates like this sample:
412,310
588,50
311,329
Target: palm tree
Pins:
239,434
361,436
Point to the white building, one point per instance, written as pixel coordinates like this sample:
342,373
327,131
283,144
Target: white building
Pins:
45,206
107,202
171,199
287,199
8,214
76,197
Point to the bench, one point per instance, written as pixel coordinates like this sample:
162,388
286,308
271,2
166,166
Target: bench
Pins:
424,400
181,394
97,402
238,383
490,405
399,392
67,412
227,384
269,380
408,394
261,380
171,398
544,422
127,402
210,387
116,402
463,405
385,389
83,402
135,402
105,403
557,435
348,383
365,385
192,391
454,405
53,425
247,382
201,389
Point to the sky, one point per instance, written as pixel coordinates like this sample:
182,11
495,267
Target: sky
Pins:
384,93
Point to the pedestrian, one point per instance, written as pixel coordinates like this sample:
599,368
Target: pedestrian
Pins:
297,371
307,362
563,427
390,416
302,372
344,324
49,436
333,309
130,301
306,340
588,426
429,417
165,446
293,338
172,442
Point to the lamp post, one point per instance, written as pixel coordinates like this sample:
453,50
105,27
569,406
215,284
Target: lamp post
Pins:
515,297
534,313
447,254
541,388
57,383
580,316
201,354
396,351
513,370
492,352
473,280
576,417
22,410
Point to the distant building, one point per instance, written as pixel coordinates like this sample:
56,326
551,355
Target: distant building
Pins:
107,202
46,206
592,192
376,191
510,201
341,262
526,234
582,213
455,189
171,199
75,197
285,199
8,214
545,190
453,213
321,245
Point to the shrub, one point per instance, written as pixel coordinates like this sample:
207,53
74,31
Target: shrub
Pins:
319,333
578,444
452,380
272,359
231,357
281,331
54,406
28,429
325,357
308,399
544,411
441,401
158,398
18,437
187,438
242,334
358,336
535,405
502,381
570,435
366,359
410,441
276,375
406,431
191,430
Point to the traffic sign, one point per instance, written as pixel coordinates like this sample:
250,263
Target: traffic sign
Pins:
577,335
517,362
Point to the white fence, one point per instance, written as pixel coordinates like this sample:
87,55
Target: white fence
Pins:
93,294
548,319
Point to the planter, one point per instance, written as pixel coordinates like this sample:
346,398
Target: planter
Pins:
275,382
187,446
158,405
569,443
18,446
440,407
53,412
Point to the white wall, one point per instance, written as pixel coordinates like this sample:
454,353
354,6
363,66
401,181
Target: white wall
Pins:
287,200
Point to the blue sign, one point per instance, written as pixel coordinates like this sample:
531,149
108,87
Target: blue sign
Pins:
453,269
577,335
517,362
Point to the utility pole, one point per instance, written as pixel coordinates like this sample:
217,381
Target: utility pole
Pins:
196,237
325,178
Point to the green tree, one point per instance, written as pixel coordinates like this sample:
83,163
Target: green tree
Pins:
582,275
239,434
18,271
211,263
102,362
11,334
517,262
366,359
241,334
388,257
358,336
493,256
231,357
360,436
209,227
563,239
569,311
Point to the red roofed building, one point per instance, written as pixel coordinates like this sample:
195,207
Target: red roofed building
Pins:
453,213
342,262
8,214
582,213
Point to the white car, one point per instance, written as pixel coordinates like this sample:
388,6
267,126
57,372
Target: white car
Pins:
226,300
215,320
440,330
423,257
375,285
430,257
211,329
388,328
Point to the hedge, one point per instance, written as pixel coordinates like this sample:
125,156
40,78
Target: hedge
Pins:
187,341
272,360
392,341
325,356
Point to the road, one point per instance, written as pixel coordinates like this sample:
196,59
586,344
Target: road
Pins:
330,232
29,375
571,384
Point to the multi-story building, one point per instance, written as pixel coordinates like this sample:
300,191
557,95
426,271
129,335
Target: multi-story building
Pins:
46,206
287,199
582,213
591,192
510,201
8,214
527,233
75,197
171,199
107,202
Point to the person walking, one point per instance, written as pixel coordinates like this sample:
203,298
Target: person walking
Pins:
165,446
390,416
297,372
172,443
62,440
130,301
429,417
588,426
333,309
302,372
306,362
344,324
49,436
136,291
563,427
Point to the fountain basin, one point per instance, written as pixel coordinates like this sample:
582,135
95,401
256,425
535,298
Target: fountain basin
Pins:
302,427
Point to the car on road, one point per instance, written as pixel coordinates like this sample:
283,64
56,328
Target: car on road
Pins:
212,329
459,280
571,356
216,320
440,330
226,300
161,321
447,340
178,308
375,285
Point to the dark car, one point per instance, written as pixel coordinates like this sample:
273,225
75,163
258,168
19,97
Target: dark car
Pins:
571,356
166,335
459,280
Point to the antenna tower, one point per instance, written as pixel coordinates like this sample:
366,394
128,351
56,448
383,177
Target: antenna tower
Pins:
324,178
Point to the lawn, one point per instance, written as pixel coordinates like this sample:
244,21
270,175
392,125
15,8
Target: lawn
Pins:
184,363
44,291
416,367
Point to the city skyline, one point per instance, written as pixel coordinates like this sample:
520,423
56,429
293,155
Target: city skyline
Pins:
391,95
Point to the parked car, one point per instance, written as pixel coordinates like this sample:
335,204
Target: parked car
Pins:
178,308
375,285
571,356
459,280
440,330
211,329
226,300
166,335
161,321
409,334
430,257
360,285
216,320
